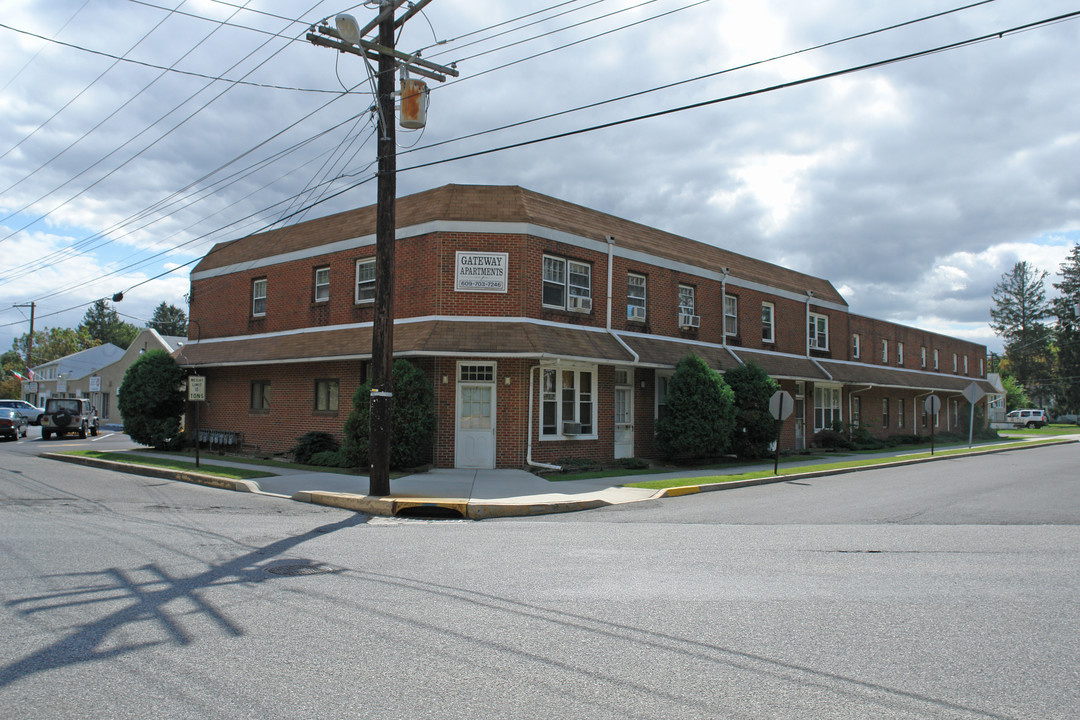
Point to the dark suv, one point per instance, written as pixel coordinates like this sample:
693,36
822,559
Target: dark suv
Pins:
68,415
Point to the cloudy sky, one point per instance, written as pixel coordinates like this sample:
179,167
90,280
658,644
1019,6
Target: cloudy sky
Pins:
134,135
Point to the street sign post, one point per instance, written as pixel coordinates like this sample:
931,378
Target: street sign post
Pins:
196,388
780,407
973,394
931,405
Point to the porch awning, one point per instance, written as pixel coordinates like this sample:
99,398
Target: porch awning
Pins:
851,373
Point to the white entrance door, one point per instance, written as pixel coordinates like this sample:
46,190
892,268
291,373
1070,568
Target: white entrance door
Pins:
624,421
475,443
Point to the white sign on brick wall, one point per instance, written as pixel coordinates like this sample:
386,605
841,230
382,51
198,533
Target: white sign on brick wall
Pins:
481,272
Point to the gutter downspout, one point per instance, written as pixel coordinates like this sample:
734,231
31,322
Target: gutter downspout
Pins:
851,405
610,271
723,307
528,443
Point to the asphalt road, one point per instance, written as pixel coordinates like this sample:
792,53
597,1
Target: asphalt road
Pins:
937,591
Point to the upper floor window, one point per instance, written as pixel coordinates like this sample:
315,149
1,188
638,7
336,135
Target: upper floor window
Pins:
899,353
731,315
322,284
922,356
567,284
935,365
980,367
686,300
955,367
856,348
635,297
365,281
258,295
884,351
818,331
768,333
965,365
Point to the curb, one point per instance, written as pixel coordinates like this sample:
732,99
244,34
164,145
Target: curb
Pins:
467,509
158,472
714,487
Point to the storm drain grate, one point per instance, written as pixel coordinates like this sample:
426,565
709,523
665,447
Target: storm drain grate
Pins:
295,569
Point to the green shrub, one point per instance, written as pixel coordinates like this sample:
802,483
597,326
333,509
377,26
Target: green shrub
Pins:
151,401
328,458
700,412
831,439
862,439
412,423
311,443
755,426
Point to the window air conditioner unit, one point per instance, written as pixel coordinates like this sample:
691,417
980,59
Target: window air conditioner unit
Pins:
580,304
571,428
635,312
689,321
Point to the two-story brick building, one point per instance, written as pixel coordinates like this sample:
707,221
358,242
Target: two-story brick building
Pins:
548,330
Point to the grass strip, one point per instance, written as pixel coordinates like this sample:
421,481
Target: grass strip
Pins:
173,464
754,475
248,460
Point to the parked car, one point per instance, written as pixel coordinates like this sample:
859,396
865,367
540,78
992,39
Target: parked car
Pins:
1030,418
1068,419
13,423
68,415
32,413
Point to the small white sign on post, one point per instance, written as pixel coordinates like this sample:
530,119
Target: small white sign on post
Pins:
196,387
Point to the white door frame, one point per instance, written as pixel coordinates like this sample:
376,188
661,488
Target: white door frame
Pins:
624,447
477,446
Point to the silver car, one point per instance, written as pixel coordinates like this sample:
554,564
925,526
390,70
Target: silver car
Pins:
33,414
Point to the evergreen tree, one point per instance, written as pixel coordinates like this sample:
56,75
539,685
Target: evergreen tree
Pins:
1067,333
169,320
151,400
412,423
104,325
755,428
699,419
1020,307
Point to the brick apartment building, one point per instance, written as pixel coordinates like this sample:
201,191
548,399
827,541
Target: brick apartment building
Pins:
548,331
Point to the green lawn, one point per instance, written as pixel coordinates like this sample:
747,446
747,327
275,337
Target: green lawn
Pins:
1051,430
173,464
754,475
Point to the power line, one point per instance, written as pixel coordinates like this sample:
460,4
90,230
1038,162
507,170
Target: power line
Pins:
174,70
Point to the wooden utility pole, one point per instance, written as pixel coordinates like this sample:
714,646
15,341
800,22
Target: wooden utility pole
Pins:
349,37
382,337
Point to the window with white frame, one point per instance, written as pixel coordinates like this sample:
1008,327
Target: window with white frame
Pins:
326,395
965,365
900,412
856,348
955,367
768,330
819,331
884,351
922,356
567,284
826,407
322,284
686,300
731,315
258,297
884,412
935,359
365,281
856,411
899,353
568,402
980,367
635,297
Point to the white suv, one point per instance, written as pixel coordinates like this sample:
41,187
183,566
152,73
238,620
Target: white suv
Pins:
1032,418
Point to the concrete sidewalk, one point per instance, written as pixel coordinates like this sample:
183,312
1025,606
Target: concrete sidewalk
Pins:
479,494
